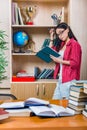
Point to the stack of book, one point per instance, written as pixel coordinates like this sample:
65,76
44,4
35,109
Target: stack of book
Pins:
77,98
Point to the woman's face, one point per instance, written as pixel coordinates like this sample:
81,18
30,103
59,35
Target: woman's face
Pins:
62,33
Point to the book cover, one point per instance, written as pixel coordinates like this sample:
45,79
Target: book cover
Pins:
51,111
3,114
45,53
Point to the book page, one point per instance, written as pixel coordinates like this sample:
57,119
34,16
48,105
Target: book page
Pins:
36,101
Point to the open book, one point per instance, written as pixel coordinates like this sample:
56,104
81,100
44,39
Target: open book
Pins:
36,102
22,104
45,53
51,111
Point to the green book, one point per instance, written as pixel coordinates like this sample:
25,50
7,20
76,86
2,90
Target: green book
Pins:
45,53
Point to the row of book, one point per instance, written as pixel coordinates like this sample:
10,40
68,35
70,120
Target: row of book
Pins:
44,74
77,97
17,18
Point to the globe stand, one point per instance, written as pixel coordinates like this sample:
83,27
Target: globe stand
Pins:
20,50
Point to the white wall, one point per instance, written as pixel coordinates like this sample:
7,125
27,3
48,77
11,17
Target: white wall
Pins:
5,25
78,22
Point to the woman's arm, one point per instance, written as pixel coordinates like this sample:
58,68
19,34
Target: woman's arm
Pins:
59,60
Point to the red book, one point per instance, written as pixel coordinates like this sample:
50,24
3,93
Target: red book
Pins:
3,114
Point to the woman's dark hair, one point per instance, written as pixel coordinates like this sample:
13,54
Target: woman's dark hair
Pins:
65,26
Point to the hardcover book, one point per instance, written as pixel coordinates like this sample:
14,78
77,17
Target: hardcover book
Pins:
3,114
45,53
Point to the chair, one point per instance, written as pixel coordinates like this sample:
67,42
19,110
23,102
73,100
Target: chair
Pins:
6,96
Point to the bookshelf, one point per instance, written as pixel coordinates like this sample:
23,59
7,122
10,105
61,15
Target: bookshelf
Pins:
38,32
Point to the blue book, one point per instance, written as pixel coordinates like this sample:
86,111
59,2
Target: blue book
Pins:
51,71
45,53
41,73
44,74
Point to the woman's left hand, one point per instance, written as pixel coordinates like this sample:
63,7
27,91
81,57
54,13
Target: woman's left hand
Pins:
56,59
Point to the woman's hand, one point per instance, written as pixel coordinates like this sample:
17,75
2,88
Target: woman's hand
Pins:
59,60
56,59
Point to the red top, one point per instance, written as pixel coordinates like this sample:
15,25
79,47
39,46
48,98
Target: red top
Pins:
73,54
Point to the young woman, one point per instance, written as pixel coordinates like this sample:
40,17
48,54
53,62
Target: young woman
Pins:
69,63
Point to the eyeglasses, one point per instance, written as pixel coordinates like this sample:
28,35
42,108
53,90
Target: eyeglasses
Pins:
60,33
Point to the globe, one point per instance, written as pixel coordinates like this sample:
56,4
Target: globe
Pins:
20,39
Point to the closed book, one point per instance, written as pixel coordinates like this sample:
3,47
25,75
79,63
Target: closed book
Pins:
78,99
45,53
19,112
77,108
51,111
77,88
77,94
36,72
3,114
41,73
50,73
44,74
76,103
75,111
79,82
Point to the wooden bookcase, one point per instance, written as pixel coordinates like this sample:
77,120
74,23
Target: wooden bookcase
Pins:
38,32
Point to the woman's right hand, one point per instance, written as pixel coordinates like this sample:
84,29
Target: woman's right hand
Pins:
52,33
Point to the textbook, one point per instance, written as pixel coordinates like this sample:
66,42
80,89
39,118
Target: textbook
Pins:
51,111
45,53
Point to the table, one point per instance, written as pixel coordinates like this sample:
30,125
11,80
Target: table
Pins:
77,122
